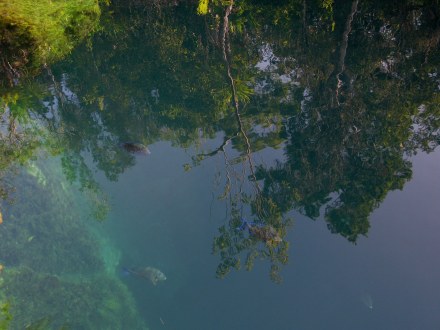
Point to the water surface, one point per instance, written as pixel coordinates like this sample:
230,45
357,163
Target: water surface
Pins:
319,128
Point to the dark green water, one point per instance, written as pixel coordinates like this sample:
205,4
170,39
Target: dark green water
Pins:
319,129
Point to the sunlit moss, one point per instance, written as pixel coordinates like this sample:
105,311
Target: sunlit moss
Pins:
36,33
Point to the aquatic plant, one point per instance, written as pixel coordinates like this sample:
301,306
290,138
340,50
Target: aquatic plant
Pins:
56,263
75,301
109,254
42,226
5,315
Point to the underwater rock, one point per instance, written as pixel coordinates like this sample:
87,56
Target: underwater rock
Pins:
149,273
135,148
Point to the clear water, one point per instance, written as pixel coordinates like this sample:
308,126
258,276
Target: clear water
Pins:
328,282
84,208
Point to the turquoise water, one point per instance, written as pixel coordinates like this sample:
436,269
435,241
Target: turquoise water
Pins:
317,134
168,222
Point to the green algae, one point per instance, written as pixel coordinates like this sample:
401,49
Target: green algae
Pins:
94,302
59,266
110,256
5,315
47,214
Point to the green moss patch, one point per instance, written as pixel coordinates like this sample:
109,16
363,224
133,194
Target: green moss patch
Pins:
98,302
35,33
59,269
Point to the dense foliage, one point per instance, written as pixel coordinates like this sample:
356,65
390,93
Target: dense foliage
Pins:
35,34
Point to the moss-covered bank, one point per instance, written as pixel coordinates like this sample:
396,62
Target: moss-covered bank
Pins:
36,33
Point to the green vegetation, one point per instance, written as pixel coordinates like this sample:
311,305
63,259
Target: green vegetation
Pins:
38,33
75,303
56,264
5,315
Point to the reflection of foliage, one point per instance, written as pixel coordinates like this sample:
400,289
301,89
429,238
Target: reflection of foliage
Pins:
270,228
346,144
357,118
75,170
202,8
348,114
26,127
352,120
232,243
17,145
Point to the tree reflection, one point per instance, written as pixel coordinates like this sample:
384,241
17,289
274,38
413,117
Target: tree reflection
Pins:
348,143
349,91
352,132
19,138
